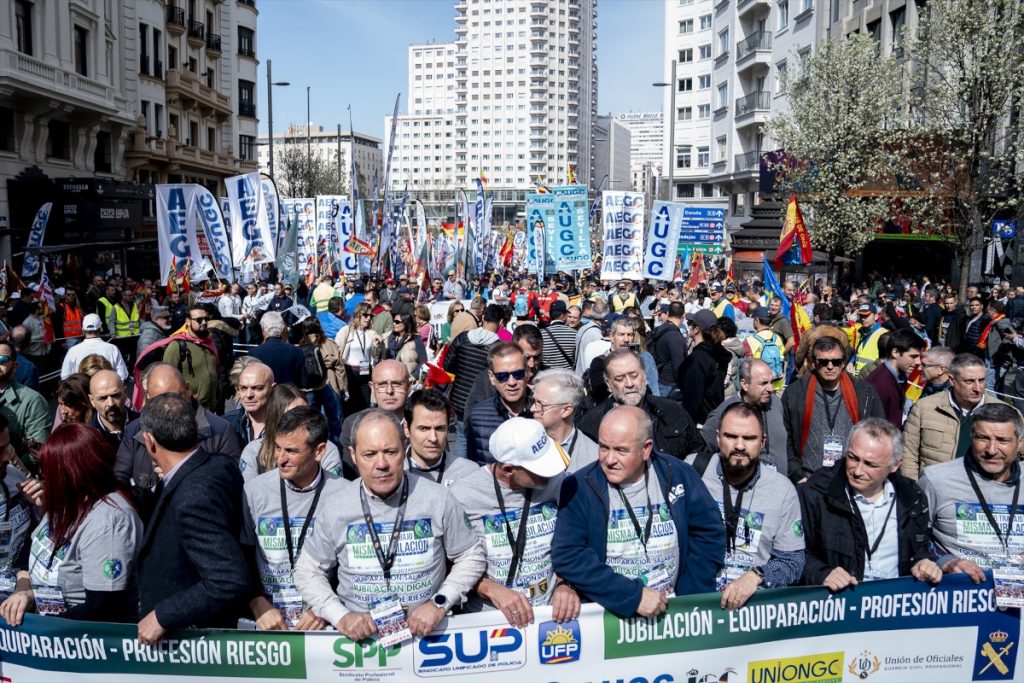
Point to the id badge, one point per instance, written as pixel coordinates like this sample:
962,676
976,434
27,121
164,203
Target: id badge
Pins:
392,626
49,600
8,581
364,368
729,574
289,603
832,452
1009,582
658,579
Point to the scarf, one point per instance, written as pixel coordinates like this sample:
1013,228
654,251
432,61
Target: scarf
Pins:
849,398
983,339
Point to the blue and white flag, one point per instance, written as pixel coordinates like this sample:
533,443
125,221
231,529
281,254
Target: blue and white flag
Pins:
660,249
273,208
623,233
30,268
207,210
569,238
250,227
540,213
771,284
176,243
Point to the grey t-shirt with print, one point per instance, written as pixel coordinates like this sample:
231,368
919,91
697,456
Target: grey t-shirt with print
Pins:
434,530
249,462
100,556
16,519
455,469
626,554
534,577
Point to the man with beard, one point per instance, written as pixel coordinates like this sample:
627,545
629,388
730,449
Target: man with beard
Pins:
507,372
110,415
194,354
760,508
674,430
756,391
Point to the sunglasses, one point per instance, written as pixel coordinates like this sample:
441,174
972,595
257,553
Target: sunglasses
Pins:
5,359
829,362
503,377
200,321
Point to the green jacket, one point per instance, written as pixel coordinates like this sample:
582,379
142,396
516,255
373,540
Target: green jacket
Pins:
28,415
199,368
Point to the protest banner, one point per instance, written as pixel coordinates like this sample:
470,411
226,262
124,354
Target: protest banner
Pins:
302,214
540,215
895,630
36,235
569,235
662,236
176,243
623,235
250,226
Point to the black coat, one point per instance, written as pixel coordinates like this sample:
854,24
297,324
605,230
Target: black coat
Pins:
835,535
668,347
701,379
283,358
192,569
674,430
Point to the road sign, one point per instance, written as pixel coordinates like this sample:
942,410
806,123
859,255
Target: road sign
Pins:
702,230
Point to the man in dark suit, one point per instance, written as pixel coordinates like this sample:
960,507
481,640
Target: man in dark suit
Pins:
192,570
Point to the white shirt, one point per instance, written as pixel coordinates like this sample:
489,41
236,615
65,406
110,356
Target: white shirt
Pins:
174,470
884,563
77,353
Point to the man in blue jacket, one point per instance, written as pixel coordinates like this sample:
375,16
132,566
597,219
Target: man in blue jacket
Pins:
636,527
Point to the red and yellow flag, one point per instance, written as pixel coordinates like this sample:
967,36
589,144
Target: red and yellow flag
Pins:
795,241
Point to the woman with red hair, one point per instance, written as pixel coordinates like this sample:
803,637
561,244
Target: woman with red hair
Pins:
82,561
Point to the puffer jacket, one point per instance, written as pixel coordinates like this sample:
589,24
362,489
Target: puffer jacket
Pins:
931,433
467,358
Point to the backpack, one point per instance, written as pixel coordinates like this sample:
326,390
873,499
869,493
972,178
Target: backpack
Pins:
314,370
770,354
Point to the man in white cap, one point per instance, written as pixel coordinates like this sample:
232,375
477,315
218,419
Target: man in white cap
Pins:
523,482
91,328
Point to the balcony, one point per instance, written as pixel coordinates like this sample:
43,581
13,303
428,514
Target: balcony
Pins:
184,87
246,51
248,3
749,161
744,7
213,42
175,20
754,102
22,72
761,41
247,109
196,33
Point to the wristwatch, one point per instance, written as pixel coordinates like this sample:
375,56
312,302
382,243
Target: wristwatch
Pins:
760,574
442,602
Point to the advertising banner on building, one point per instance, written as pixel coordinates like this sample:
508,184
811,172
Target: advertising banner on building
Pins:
662,238
569,237
622,235
895,630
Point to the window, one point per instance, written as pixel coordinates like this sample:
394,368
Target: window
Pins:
247,147
81,51
172,57
684,190
683,157
6,130
686,55
739,204
686,26
723,43
58,140
704,81
780,77
23,25
783,14
703,157
898,18
211,138
707,190
705,22
193,134
723,95
246,98
703,111
804,55
685,84
246,42
721,148
101,157
684,113
705,51
144,49
806,5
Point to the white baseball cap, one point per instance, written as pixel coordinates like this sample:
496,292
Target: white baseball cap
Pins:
523,443
92,323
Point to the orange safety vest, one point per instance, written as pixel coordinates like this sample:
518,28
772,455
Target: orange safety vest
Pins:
72,321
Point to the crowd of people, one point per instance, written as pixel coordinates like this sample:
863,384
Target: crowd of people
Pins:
335,456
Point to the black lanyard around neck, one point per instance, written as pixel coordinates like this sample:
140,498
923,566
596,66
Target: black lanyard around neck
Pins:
518,543
297,550
732,513
386,560
1004,541
878,539
646,535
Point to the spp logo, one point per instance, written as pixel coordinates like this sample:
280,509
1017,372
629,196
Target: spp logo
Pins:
559,643
364,654
472,650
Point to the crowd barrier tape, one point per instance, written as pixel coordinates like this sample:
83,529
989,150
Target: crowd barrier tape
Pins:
894,630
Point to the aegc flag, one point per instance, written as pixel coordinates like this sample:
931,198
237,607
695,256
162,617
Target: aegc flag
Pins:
251,241
623,235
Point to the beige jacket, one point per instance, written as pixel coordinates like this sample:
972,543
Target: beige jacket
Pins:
931,433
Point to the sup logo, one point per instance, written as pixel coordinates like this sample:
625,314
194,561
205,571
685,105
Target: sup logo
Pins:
559,643
473,650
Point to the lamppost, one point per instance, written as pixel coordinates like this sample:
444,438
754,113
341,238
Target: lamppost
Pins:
309,149
671,131
270,114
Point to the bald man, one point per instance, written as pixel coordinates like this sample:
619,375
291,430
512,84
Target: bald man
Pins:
110,412
254,385
390,384
135,467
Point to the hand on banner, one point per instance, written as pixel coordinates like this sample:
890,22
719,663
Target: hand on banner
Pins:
425,619
268,617
309,622
20,601
838,579
565,604
150,629
972,570
926,570
356,625
652,603
512,604
739,591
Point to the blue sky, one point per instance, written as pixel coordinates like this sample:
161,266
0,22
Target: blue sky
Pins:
356,52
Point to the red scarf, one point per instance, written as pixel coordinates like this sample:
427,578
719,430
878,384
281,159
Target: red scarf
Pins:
983,339
849,398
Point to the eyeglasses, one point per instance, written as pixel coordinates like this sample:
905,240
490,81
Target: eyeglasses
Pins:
6,359
503,377
827,362
391,387
928,366
200,321
539,407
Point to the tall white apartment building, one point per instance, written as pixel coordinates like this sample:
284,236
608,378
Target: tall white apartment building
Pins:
754,43
612,155
689,40
515,96
329,146
646,140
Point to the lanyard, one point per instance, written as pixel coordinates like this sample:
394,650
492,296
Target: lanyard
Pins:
831,419
1005,542
305,525
439,470
878,540
7,500
572,444
732,516
646,535
386,561
517,544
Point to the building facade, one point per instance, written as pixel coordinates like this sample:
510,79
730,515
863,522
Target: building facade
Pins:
646,141
332,146
512,99
612,155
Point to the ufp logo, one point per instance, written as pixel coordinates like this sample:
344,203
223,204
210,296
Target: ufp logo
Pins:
472,650
365,653
559,643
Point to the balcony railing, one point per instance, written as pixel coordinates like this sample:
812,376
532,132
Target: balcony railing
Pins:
158,69
247,109
196,29
144,65
748,161
762,40
213,42
250,3
755,101
246,51
175,15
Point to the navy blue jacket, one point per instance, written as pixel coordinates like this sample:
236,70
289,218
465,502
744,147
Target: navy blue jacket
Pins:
481,421
283,358
579,547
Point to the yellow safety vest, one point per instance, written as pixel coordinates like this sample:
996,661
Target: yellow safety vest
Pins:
106,309
867,349
125,326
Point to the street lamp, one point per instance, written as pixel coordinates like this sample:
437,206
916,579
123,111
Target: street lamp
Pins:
671,130
270,114
309,148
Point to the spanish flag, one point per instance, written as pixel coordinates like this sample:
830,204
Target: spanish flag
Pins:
795,241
